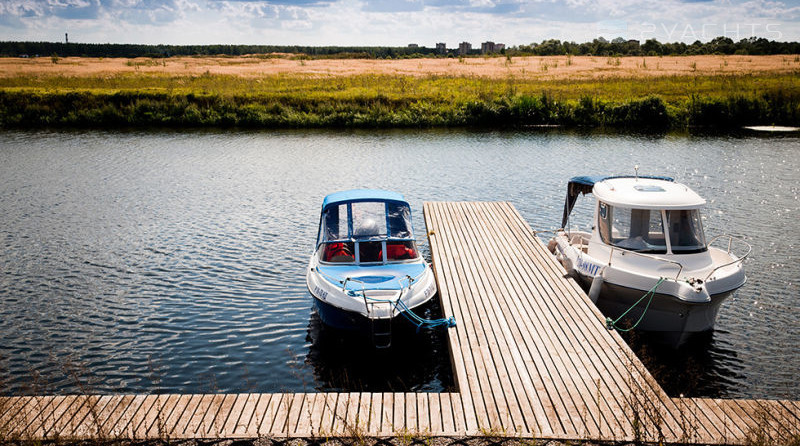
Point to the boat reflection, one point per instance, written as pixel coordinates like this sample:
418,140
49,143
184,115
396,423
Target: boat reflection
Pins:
343,361
705,367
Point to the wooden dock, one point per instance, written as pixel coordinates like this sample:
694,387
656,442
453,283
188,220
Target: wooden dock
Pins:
531,358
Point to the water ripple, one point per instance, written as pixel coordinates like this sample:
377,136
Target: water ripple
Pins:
172,261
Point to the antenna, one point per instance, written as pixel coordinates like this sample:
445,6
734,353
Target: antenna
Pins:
636,170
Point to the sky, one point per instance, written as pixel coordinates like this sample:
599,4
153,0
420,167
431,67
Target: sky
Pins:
393,22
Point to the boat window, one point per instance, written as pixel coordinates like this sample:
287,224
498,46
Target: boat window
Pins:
338,252
369,219
399,217
638,230
370,252
686,231
334,223
401,250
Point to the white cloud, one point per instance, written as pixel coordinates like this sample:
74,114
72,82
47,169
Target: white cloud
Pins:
387,22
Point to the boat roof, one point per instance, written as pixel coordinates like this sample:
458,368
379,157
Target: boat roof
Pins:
647,193
349,196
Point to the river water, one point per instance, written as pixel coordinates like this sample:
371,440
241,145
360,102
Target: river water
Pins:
152,261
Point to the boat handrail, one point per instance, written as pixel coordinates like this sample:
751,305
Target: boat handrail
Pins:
551,231
740,259
647,256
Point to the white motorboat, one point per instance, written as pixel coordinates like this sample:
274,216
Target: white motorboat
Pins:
646,259
366,270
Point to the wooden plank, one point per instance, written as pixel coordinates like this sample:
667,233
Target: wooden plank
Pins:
303,427
364,413
351,414
642,379
729,427
268,416
411,412
105,407
131,418
231,423
193,422
240,424
776,417
316,415
435,414
44,421
87,425
215,417
485,390
376,409
54,424
459,414
295,412
181,417
567,384
340,414
149,412
399,419
258,416
118,420
328,414
511,278
11,407
387,414
581,360
168,416
423,416
445,260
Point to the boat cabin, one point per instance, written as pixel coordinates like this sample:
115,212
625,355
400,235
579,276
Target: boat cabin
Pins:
652,215
366,227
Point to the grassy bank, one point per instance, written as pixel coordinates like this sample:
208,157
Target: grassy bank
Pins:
368,100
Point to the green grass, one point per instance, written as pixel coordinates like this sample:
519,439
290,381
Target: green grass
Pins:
397,101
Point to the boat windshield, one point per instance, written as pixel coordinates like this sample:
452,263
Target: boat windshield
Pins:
367,232
686,231
638,230
366,220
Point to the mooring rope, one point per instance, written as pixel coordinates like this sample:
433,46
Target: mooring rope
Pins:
613,323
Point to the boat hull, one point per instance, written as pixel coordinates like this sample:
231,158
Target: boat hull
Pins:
678,309
343,320
674,320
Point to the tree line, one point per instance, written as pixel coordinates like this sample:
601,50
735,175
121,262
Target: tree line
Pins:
550,47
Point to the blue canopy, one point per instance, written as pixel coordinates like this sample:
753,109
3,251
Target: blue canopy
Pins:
584,185
349,196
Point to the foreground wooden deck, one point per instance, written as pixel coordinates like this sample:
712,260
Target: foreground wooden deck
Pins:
531,357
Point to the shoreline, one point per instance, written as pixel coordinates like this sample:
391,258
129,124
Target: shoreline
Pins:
70,93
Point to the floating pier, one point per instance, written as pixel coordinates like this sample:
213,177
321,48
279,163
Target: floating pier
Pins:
531,357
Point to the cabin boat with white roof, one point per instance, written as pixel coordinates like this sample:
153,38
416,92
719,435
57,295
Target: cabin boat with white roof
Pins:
647,259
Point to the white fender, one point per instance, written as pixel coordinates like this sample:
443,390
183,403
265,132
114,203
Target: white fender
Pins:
597,284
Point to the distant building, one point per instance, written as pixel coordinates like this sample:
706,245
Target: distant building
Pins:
464,48
491,47
441,48
413,45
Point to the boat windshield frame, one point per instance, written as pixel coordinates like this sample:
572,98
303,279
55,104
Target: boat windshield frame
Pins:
373,233
636,229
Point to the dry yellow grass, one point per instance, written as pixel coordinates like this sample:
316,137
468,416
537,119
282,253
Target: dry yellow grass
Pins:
533,67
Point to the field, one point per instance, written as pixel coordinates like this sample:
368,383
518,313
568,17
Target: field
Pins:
287,91
540,68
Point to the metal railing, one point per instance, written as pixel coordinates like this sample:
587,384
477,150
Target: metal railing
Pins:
624,251
739,259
